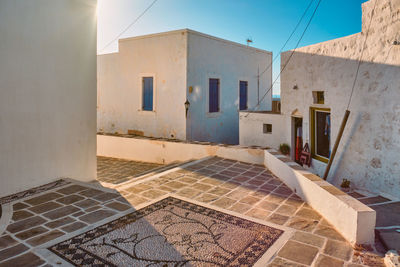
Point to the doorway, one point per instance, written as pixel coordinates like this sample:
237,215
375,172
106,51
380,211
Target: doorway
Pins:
297,138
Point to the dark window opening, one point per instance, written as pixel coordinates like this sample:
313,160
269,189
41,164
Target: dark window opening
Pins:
213,95
267,128
243,85
318,97
321,133
147,102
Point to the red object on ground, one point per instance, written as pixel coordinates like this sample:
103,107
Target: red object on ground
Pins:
305,157
299,145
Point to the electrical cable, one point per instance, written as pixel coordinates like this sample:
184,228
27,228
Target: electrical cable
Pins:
129,26
292,52
361,55
290,37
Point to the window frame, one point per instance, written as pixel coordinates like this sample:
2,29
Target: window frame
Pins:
247,95
141,97
265,128
313,110
318,97
219,95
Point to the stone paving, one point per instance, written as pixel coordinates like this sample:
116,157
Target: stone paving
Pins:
246,189
53,214
253,191
116,171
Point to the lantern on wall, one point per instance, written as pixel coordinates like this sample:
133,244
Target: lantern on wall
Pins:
187,105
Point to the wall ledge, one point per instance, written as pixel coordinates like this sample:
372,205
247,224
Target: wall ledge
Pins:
353,219
165,151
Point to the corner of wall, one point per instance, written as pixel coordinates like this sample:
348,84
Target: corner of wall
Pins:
187,129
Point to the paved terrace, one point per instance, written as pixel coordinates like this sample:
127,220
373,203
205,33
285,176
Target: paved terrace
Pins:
42,217
117,171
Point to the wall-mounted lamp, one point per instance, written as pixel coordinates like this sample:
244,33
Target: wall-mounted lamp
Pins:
187,105
295,87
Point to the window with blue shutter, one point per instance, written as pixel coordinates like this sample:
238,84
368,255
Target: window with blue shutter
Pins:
214,95
243,95
147,90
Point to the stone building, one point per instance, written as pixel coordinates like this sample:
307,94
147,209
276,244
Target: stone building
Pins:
316,88
143,88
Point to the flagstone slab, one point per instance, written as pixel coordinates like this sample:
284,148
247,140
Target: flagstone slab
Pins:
25,224
26,260
298,252
325,261
12,251
7,241
36,241
43,198
96,216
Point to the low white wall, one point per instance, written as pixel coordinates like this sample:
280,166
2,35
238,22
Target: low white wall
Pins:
354,220
159,151
251,129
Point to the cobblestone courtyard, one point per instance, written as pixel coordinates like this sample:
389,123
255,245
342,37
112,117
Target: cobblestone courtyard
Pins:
36,222
116,171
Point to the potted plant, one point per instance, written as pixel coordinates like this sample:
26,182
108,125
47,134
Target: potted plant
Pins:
284,149
345,185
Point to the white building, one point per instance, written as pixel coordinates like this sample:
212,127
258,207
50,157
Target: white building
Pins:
315,90
47,92
143,88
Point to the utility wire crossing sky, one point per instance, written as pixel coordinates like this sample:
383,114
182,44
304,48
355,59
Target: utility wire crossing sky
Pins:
268,23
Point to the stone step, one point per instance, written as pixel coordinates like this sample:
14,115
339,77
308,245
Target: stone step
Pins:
390,238
387,215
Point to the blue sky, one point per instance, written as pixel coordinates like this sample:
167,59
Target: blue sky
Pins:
268,22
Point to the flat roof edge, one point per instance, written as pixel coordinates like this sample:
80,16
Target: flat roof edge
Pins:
228,41
299,49
192,32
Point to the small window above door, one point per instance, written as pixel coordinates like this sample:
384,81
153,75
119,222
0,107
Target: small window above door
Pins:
318,97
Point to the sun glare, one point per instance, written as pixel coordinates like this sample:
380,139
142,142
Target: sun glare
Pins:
98,8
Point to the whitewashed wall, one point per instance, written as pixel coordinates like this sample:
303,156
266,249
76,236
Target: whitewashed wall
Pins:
210,57
178,60
120,88
47,92
368,154
166,152
251,129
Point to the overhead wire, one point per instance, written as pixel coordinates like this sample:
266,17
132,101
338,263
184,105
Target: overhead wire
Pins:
361,56
291,55
288,39
129,26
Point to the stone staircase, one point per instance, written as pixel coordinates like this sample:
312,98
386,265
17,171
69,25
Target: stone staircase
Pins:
387,219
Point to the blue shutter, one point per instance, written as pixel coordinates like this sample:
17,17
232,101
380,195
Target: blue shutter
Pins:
147,93
213,95
243,95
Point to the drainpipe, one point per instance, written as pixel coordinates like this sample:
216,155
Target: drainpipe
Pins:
339,136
